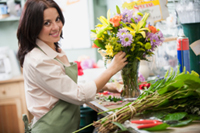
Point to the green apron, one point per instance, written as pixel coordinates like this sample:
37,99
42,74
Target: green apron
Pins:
64,117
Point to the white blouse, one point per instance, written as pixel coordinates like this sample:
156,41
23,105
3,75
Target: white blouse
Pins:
46,81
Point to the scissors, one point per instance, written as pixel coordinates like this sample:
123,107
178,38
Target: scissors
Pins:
146,123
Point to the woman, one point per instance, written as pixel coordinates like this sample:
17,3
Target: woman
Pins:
52,95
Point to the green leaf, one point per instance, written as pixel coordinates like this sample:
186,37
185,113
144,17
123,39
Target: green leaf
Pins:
198,91
158,127
118,10
133,21
99,44
171,86
194,117
192,83
122,23
181,123
185,77
164,103
94,31
159,114
175,116
166,74
123,128
185,95
194,73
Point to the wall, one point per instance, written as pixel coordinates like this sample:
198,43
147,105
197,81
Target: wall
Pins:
8,32
111,4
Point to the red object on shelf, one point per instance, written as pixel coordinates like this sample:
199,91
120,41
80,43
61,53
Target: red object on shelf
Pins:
146,123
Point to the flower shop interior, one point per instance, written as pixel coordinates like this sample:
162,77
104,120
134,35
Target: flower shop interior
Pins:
169,64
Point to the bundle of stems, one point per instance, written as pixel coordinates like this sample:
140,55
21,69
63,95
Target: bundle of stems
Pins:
150,102
174,93
178,92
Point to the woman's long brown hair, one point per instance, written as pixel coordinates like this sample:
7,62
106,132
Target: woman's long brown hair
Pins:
30,25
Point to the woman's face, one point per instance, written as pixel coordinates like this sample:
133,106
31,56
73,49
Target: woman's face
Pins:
52,27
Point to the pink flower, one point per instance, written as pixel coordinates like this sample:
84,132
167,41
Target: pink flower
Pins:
80,70
141,78
88,63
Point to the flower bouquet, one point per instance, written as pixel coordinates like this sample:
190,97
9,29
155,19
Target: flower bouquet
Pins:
127,31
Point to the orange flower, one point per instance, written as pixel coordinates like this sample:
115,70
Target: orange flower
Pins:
152,29
115,20
94,46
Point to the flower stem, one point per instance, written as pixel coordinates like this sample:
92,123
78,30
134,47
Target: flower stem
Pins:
83,128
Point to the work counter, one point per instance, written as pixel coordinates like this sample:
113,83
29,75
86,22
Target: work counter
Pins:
100,106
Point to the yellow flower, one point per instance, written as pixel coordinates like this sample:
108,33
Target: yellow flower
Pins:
109,50
101,28
148,45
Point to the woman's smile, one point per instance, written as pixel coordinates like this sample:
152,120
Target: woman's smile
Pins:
55,34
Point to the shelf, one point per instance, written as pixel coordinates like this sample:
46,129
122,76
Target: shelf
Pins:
17,0
10,18
3,1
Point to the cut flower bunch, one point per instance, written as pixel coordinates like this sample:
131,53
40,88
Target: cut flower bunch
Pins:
176,93
176,98
127,31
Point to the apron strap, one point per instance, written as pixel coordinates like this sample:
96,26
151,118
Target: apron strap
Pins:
54,58
60,61
26,125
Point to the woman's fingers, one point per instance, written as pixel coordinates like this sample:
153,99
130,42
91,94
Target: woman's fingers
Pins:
118,62
122,54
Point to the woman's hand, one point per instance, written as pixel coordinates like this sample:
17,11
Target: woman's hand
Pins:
118,62
116,65
112,87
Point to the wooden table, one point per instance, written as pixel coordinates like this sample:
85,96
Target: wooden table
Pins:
12,105
99,106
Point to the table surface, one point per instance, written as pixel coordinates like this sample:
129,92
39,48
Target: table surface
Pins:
14,79
100,106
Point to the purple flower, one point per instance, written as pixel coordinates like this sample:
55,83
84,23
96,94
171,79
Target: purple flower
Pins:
154,39
126,39
127,15
137,18
86,64
121,32
141,77
160,36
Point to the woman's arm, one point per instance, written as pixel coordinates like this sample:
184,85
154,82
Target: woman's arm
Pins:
116,65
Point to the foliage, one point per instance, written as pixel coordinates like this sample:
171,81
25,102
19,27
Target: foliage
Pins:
127,31
174,99
113,99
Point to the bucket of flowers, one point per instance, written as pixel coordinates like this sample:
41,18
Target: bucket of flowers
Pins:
127,31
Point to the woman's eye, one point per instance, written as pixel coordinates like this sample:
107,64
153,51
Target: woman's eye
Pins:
46,23
58,19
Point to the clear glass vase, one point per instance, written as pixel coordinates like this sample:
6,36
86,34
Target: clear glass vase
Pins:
129,75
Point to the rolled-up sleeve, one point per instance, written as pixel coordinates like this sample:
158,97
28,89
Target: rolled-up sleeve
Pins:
53,80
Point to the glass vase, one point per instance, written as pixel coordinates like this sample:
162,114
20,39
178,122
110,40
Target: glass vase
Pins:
129,75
